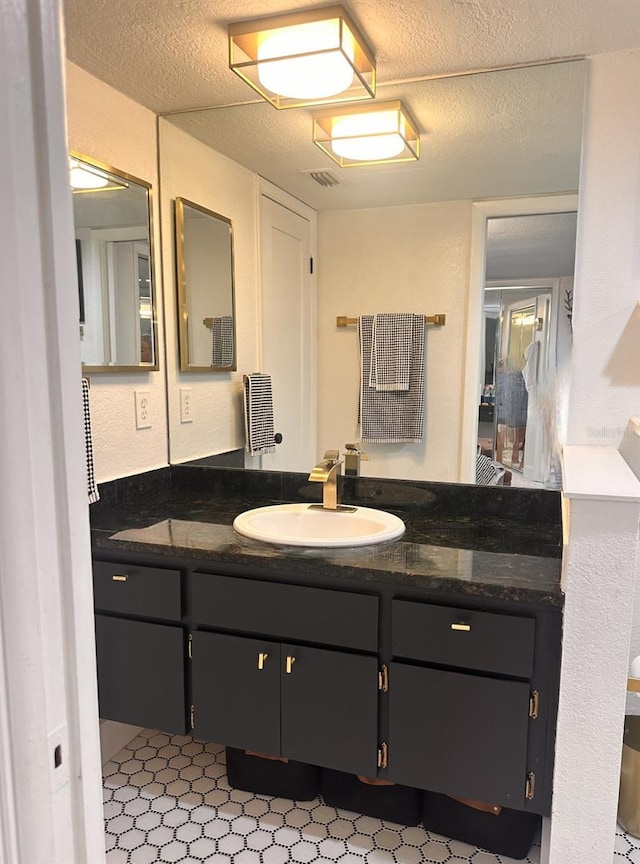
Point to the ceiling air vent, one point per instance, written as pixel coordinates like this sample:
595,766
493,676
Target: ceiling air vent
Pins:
324,178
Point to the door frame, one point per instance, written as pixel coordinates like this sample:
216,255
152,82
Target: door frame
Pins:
481,212
309,323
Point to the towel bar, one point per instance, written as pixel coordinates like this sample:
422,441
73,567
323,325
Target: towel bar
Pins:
438,320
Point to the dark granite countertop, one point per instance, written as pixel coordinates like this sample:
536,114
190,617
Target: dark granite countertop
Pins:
459,539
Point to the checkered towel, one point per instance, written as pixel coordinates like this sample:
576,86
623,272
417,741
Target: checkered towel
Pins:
488,472
92,488
258,414
222,341
391,348
391,416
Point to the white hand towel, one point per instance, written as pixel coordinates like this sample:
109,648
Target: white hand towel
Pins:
388,416
391,349
92,488
258,407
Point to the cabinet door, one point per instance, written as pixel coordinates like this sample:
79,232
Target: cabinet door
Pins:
458,734
330,709
236,691
141,673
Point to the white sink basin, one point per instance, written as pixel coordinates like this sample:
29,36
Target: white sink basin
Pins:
304,525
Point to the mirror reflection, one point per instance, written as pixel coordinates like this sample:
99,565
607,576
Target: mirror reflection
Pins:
115,271
527,315
204,260
388,240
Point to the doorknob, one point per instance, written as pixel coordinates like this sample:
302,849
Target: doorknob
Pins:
290,661
262,656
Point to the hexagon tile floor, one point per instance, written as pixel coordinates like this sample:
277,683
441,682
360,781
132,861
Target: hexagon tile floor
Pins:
166,799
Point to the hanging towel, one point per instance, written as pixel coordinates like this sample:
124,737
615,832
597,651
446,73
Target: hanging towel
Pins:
530,368
387,416
92,488
258,414
391,349
222,341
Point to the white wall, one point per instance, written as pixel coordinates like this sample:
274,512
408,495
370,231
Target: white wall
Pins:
109,127
194,171
394,259
605,388
601,563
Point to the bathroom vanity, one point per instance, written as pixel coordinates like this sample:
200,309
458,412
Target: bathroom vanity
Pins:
432,666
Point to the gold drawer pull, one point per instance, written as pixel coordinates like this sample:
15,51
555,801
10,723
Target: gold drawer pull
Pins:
290,661
119,578
464,627
262,656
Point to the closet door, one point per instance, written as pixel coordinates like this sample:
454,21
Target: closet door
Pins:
236,691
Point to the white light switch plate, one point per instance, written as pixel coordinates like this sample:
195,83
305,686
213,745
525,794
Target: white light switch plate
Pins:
186,405
143,409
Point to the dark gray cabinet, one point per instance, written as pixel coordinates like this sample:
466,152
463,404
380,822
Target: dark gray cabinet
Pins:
368,679
141,673
458,734
306,703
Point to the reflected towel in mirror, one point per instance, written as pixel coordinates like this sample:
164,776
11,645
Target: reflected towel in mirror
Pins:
222,341
391,349
391,416
92,487
258,414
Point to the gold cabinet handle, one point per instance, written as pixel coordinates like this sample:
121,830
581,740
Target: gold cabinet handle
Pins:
290,661
262,656
464,627
119,578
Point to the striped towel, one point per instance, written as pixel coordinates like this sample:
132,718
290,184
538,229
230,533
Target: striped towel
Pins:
391,348
222,341
392,416
92,488
258,414
488,472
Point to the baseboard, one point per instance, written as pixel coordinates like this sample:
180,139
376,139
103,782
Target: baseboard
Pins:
114,736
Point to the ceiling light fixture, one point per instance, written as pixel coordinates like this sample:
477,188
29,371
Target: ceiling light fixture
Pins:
304,58
87,178
367,134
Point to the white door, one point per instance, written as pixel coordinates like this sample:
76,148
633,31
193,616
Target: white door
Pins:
288,331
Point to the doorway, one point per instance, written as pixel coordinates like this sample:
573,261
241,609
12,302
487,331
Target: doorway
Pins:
527,344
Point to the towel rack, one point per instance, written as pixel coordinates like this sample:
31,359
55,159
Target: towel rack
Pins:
437,320
208,322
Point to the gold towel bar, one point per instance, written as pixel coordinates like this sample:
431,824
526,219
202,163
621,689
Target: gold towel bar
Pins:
438,320
208,322
633,685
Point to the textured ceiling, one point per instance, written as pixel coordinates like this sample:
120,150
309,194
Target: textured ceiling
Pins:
503,133
531,247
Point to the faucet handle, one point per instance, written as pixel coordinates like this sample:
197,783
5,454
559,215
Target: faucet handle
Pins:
354,450
331,455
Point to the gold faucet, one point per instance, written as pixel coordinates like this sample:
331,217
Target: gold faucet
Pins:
352,459
327,473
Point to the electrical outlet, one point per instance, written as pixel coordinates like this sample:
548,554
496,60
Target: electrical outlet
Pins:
186,405
143,409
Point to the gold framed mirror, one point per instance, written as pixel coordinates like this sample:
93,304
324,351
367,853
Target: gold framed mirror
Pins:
116,272
206,294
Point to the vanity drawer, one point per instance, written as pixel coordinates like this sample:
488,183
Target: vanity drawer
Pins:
148,592
469,639
284,611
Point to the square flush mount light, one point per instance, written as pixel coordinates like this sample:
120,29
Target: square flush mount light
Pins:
367,134
304,58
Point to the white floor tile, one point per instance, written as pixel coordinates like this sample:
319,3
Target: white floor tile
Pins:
166,799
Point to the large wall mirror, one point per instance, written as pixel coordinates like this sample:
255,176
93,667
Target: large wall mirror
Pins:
204,265
114,249
394,239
